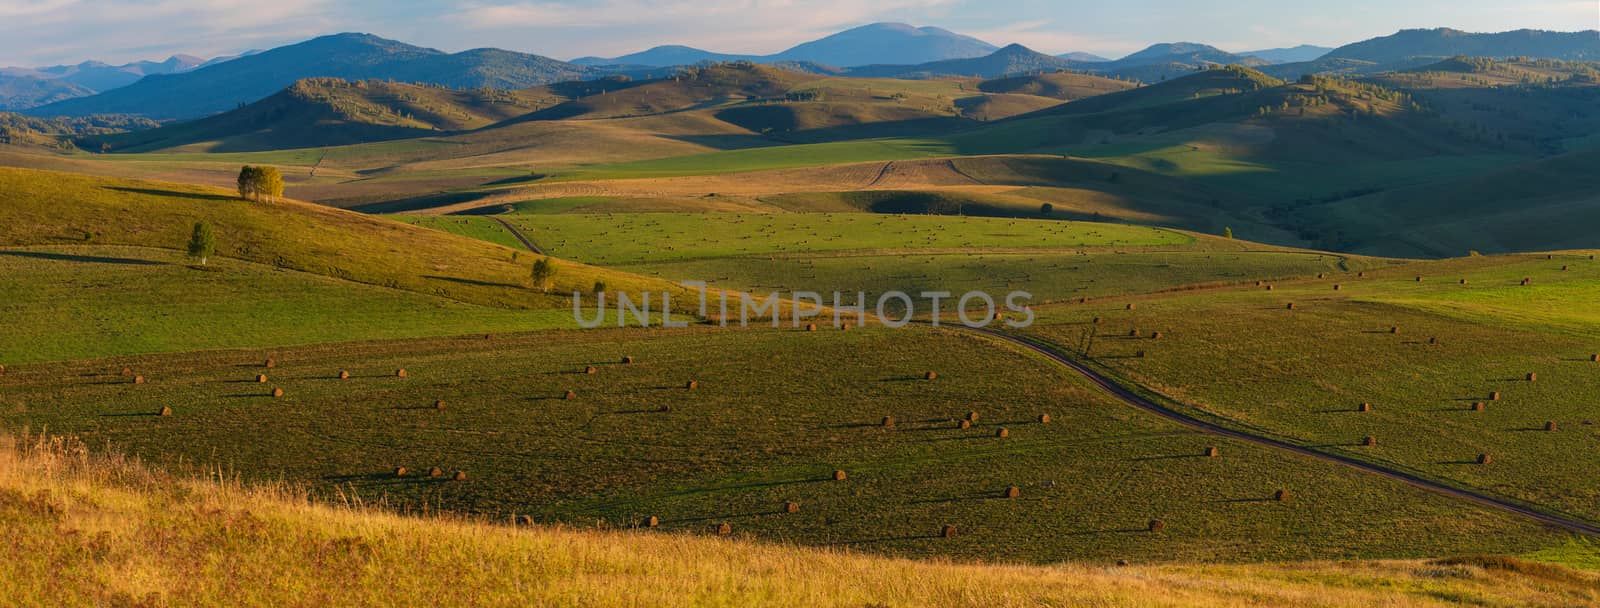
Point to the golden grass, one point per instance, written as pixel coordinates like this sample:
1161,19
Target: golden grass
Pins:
84,528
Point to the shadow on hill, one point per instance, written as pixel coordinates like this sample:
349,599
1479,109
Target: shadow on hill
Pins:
172,193
66,257
418,203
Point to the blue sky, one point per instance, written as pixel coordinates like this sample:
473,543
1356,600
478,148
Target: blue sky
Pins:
40,32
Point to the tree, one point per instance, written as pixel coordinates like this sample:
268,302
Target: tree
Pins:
1227,232
599,287
202,243
1046,209
262,184
543,273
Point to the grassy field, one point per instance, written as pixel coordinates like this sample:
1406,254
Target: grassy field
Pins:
78,302
1302,374
634,443
81,526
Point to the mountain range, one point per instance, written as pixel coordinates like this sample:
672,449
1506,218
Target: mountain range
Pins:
181,88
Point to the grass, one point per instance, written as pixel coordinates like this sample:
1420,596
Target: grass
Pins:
1238,354
82,527
481,228
742,443
77,302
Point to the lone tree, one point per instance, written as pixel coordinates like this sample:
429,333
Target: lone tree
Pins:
1227,232
543,273
262,184
202,243
1046,209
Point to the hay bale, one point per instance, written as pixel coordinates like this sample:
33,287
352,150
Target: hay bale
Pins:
664,409
1564,268
1213,452
1364,407
1419,278
1595,357
2,370
999,316
888,422
400,373
811,327
1155,335
1532,377
1290,306
1133,333
845,326
270,363
791,507
1258,283
1281,496
1013,492
1157,525
651,521
1369,441
627,360
1322,275
460,476
569,395
930,376
1394,330
399,471
435,471
166,411
591,370
1096,321
1526,281
1337,287
1477,406
1433,340
1550,426
438,405
1044,419
972,416
524,520
1484,459
1269,288
1362,274
261,378
691,385
724,529
1494,396
1002,432
344,374
1463,281
277,392
1130,306
127,372
839,475
947,532
964,424
138,379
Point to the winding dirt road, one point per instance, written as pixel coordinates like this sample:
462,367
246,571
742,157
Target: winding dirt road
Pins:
1138,401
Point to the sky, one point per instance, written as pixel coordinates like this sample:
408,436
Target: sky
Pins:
46,32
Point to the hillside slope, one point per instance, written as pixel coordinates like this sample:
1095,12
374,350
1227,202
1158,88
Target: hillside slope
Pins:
250,546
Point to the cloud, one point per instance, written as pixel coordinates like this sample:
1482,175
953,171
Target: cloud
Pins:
69,31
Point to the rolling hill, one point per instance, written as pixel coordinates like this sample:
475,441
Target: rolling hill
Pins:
1066,86
876,43
227,85
1418,47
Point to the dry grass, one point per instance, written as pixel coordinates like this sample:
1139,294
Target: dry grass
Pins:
89,529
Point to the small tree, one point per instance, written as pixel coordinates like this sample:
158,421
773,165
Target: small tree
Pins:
599,287
1046,209
202,243
543,273
1227,232
262,184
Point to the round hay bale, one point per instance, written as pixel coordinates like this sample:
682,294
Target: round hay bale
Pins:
724,529
1533,377
964,424
1362,274
400,373
1463,281
1550,426
270,363
438,405
488,336
1258,283
1594,357
460,476
999,316
277,392
1364,407
1157,525
1369,441
1133,333
1044,419
1563,268
1013,492
1477,406
1269,288
399,471
1213,451
930,376
524,520
1130,306
2,370
972,416
1485,459
127,371
344,374
1494,396
1281,496
1002,432
1337,287
691,385
947,532
261,378
651,521
811,327
1155,335
1394,330
1290,306
1419,278
888,421
627,360
664,409
1322,275
435,471
1096,321
845,326
791,507
569,395
138,379
166,411
839,475
1526,281
1433,340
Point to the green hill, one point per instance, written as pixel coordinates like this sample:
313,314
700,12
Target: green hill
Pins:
1066,86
